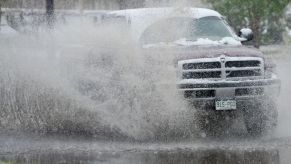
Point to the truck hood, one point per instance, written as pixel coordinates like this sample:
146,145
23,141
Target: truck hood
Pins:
195,52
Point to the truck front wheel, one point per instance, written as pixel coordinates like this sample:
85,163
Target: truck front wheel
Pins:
261,118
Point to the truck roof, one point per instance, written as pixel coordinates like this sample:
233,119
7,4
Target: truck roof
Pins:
141,18
169,11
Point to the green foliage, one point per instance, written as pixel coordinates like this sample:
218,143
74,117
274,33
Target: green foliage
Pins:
263,16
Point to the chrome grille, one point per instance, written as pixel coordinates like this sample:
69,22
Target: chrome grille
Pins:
229,68
201,75
243,73
247,63
208,65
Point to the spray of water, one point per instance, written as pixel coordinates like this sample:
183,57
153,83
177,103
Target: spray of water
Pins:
281,55
87,79
80,78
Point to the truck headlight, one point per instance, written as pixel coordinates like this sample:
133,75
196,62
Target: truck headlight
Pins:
270,68
270,71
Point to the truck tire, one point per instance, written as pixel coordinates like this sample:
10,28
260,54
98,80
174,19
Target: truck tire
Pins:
215,123
261,118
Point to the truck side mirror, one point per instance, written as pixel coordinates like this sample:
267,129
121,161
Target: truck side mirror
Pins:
246,34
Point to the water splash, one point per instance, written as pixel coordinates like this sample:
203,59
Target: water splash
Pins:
88,80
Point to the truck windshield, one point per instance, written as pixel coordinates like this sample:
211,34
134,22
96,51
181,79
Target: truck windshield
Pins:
173,29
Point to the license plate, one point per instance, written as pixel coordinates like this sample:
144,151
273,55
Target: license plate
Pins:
225,104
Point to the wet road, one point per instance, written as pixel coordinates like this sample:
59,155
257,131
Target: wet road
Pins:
37,149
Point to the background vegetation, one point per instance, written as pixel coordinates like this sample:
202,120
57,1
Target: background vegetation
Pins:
264,17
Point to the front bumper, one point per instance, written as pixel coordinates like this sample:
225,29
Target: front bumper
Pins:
239,90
